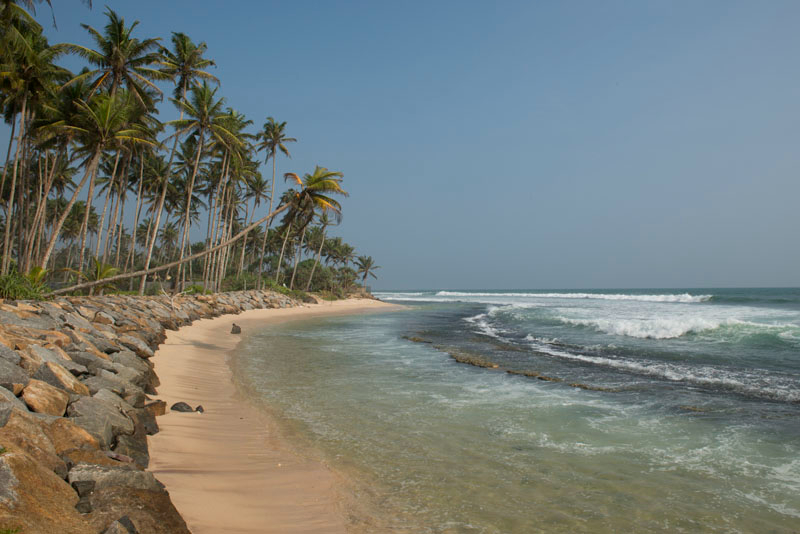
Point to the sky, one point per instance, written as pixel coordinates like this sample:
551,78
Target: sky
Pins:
502,145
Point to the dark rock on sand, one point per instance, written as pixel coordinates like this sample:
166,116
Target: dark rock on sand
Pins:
181,407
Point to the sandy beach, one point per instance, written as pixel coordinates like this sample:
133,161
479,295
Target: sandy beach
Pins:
228,470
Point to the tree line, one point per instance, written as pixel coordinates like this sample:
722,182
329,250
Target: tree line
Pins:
94,134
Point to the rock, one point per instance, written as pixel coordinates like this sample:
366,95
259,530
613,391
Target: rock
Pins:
100,418
41,397
130,359
33,499
9,355
35,356
105,477
106,380
84,489
65,435
181,407
55,375
75,457
236,329
151,512
114,399
23,432
200,408
103,318
7,396
11,374
156,408
123,525
134,448
91,361
136,345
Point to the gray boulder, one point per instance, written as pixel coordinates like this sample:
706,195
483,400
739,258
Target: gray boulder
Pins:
101,418
107,476
11,373
9,355
8,398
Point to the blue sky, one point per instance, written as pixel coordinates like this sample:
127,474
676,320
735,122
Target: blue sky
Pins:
525,144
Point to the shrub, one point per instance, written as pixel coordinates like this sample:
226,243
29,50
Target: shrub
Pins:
14,286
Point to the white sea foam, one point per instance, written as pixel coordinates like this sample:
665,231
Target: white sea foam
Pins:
756,384
684,297
670,327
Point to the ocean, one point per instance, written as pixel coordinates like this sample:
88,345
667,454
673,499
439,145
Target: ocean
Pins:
549,411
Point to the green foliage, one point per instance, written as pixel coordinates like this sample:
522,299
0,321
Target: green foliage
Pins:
9,530
2,451
14,286
195,289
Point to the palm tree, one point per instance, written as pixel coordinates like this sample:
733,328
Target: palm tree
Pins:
206,116
325,221
121,59
366,267
317,190
272,139
100,123
28,74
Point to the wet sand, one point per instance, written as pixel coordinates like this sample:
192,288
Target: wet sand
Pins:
228,470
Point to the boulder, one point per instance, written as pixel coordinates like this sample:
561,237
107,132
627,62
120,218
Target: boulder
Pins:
11,374
106,380
100,418
8,397
134,447
150,511
236,329
33,499
136,345
75,457
130,359
55,375
65,435
123,525
106,477
9,355
24,432
34,356
90,360
41,397
156,408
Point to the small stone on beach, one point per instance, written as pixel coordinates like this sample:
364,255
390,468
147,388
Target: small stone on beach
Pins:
236,329
181,407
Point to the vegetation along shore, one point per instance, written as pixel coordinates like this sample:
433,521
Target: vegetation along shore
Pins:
99,195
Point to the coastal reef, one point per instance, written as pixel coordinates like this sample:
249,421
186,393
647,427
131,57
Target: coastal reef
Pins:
76,407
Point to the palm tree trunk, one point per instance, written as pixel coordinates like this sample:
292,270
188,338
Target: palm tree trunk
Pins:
145,272
8,154
160,208
283,247
111,180
241,258
297,256
85,224
57,230
10,204
189,205
316,262
132,251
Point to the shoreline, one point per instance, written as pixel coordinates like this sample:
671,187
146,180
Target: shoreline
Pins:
230,469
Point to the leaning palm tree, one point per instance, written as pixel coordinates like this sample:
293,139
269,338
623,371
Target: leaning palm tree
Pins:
321,180
316,190
121,59
365,266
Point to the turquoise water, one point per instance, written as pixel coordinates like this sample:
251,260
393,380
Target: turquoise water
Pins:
663,411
